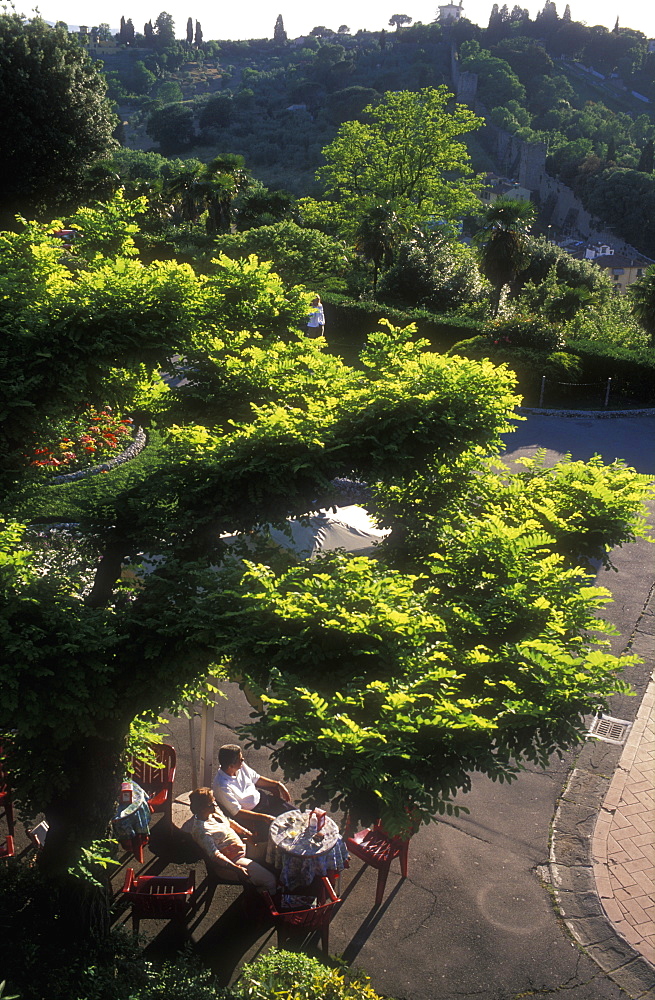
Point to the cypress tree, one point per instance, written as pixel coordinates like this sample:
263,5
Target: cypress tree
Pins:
279,34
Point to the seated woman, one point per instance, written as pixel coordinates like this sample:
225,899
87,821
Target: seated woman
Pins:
220,840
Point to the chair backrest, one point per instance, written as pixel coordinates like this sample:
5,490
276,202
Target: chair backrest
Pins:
153,778
159,895
312,918
376,847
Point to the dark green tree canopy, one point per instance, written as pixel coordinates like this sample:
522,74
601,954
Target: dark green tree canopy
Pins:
279,34
399,19
60,121
642,295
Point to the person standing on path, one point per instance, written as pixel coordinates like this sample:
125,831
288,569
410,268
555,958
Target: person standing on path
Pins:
316,318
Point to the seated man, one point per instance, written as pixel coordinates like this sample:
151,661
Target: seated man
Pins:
244,795
220,840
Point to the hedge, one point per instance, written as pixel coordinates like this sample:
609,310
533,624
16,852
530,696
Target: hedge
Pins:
348,321
576,376
632,370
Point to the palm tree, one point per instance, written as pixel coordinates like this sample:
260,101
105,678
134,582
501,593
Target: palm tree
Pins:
220,182
185,197
503,243
642,293
376,236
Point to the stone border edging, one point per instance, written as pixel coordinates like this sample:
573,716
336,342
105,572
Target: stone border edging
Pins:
573,879
132,450
597,414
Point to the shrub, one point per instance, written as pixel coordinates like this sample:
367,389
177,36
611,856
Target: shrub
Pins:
568,270
528,364
298,255
352,320
284,975
440,277
525,331
609,322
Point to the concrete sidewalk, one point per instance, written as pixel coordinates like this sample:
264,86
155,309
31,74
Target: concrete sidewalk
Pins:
623,846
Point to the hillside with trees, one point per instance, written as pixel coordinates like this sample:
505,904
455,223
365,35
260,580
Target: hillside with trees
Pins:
582,90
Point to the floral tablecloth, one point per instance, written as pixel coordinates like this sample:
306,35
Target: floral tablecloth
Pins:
301,854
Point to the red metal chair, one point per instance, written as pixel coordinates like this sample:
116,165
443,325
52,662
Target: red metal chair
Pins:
376,848
5,793
7,850
161,897
157,782
313,919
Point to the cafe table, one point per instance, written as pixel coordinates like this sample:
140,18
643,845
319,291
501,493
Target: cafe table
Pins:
301,854
131,822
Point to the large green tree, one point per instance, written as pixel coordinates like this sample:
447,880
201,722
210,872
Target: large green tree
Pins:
472,643
407,153
60,120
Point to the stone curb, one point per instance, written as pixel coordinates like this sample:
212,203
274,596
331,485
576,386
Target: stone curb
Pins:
573,879
535,411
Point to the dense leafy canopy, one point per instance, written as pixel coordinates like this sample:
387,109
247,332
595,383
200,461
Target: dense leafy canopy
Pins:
466,645
407,154
60,121
82,312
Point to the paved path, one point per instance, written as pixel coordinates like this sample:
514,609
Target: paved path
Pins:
623,848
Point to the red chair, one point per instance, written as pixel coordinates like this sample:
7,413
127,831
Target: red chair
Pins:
376,848
316,918
7,850
157,782
5,793
158,896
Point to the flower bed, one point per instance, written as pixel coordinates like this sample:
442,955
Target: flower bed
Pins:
77,445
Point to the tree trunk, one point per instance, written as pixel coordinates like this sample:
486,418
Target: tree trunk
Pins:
76,818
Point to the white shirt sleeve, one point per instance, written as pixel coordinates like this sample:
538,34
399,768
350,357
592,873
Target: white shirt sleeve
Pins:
226,798
251,773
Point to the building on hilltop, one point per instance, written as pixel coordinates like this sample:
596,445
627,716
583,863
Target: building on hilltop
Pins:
451,12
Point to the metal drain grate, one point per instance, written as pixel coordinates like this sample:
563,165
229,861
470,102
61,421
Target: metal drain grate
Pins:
609,729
